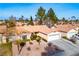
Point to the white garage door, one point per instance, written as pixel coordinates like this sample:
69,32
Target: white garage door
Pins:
54,36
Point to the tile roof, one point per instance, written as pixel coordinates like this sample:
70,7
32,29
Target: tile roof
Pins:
65,27
36,28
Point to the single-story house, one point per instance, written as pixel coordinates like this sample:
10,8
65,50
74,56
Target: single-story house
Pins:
72,32
22,31
43,31
66,29
50,36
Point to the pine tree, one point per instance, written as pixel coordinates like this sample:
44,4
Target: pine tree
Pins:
40,15
51,16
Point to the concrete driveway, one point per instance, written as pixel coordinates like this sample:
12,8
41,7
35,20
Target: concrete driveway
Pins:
69,48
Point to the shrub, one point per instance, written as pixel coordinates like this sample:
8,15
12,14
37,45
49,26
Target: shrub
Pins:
65,37
18,42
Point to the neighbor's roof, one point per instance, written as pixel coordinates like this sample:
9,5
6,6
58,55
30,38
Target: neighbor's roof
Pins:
20,29
19,23
36,28
64,28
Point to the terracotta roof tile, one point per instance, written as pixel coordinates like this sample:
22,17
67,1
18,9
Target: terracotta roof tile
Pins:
64,27
36,28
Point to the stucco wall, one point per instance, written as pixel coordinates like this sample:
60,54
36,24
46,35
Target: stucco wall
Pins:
71,33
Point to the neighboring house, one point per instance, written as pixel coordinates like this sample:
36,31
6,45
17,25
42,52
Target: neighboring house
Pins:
22,31
20,24
65,28
72,32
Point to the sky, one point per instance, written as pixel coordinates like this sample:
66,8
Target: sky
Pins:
30,9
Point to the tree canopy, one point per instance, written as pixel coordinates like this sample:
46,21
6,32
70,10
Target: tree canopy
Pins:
31,21
11,22
52,16
40,14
